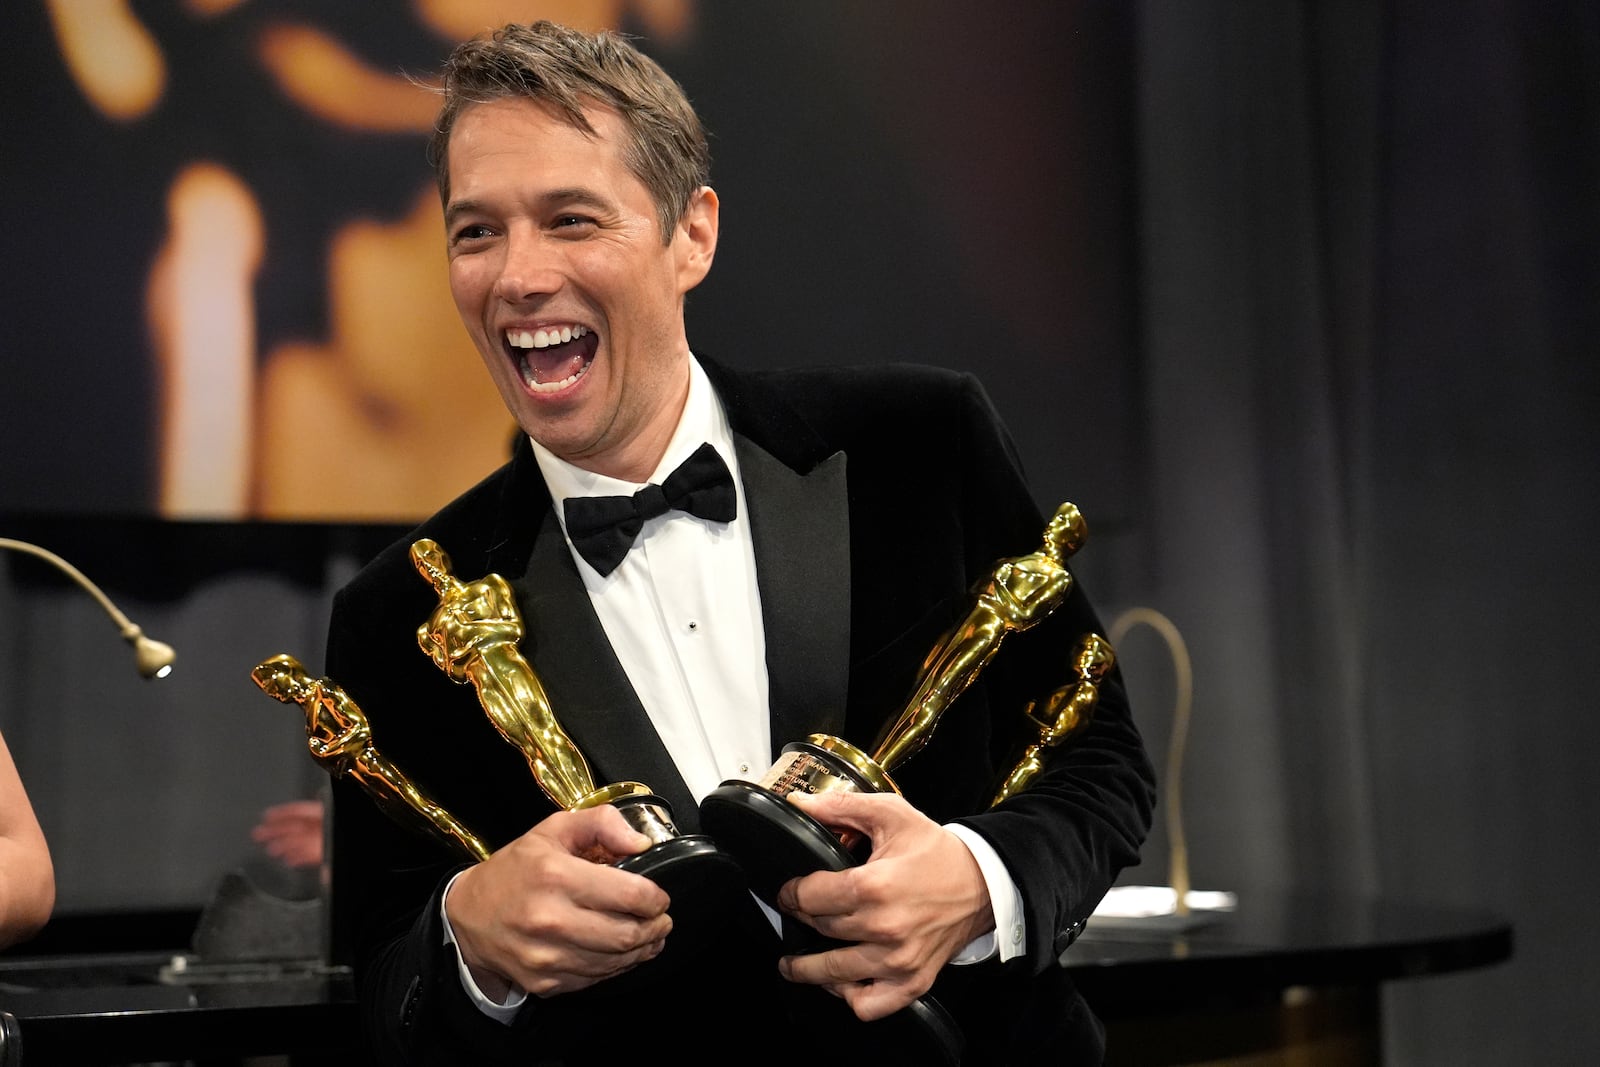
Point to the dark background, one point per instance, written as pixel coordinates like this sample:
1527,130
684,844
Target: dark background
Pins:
1296,300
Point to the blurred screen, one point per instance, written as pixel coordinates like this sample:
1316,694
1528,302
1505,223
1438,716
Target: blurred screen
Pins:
225,287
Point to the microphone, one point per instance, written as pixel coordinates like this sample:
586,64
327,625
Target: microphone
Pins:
154,658
1183,670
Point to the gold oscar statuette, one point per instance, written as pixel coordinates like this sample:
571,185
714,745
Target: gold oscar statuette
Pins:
474,636
340,740
772,838
775,841
1062,714
1018,594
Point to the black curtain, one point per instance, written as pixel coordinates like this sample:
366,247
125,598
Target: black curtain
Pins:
1370,258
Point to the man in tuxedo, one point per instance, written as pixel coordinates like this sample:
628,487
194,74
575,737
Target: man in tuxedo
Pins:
791,546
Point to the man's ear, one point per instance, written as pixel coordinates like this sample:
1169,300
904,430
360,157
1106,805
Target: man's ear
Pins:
696,238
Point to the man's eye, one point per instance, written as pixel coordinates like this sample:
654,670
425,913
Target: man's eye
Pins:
471,232
569,221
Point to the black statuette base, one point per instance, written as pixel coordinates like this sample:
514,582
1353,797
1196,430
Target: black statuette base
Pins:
775,841
772,839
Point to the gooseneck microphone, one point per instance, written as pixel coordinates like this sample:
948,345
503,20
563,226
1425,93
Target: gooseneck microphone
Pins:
154,658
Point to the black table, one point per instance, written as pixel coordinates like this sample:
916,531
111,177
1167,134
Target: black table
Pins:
1280,978
87,1010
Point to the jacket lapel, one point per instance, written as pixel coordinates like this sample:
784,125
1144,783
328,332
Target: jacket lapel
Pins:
795,485
589,691
795,488
799,525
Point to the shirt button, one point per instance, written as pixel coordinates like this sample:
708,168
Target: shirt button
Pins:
693,625
1016,933
744,768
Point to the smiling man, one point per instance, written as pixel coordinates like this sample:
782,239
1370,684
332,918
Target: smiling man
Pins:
790,546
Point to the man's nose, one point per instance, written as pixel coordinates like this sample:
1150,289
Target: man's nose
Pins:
532,268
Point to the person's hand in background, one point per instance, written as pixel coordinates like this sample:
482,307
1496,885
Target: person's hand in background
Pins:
291,833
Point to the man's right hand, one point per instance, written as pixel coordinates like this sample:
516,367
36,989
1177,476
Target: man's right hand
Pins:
542,915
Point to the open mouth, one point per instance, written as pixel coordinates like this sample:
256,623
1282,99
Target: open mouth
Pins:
552,358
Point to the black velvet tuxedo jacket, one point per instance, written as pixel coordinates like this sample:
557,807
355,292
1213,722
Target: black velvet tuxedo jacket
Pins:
877,497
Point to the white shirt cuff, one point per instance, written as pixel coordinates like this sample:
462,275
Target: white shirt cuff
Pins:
501,1013
1010,935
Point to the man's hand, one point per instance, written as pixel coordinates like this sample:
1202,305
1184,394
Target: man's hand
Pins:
910,908
547,914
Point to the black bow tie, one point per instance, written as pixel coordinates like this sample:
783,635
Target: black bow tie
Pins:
603,528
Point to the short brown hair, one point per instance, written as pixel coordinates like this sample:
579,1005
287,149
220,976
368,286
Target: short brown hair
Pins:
567,70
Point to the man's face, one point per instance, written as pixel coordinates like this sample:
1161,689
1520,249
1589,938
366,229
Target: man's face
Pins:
559,271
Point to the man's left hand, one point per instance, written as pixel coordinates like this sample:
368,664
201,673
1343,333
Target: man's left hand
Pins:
918,901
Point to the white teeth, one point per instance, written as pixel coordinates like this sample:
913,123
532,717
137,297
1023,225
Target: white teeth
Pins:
544,338
550,335
550,387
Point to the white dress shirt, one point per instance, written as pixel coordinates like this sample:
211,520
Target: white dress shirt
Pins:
682,610
683,613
